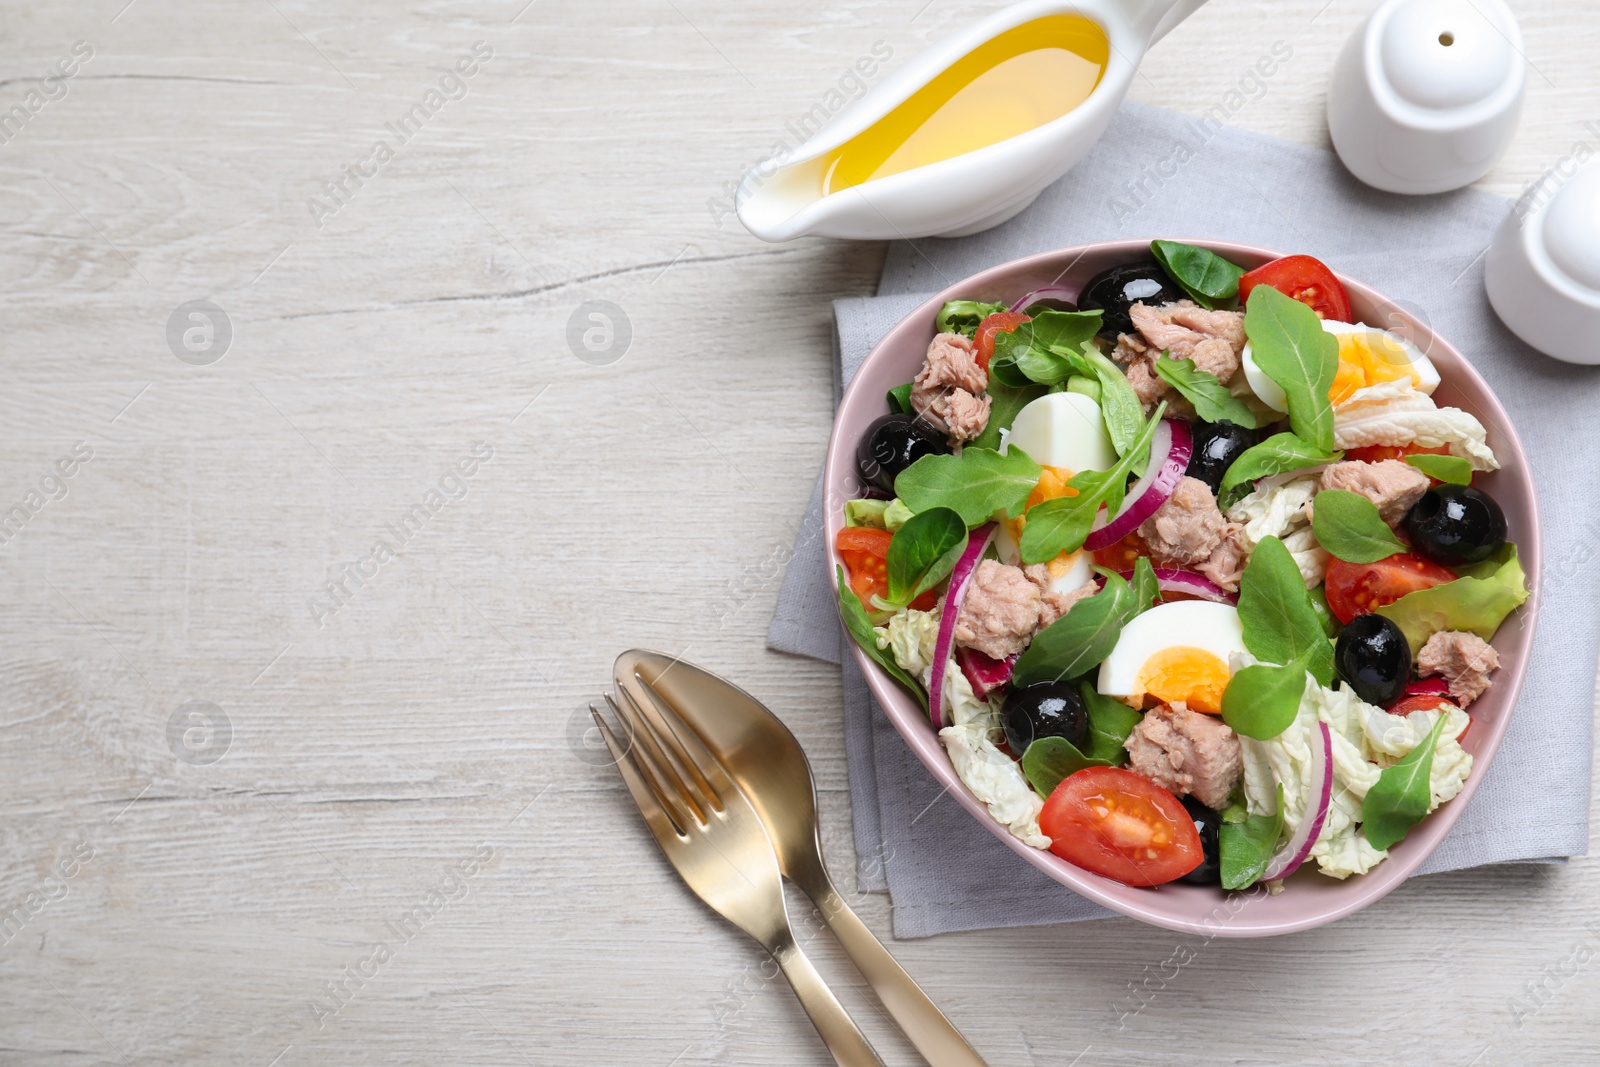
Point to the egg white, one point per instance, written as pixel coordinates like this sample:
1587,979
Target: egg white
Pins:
1062,430
1201,624
1272,395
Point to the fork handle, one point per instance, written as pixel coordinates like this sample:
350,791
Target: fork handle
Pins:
843,1038
934,1036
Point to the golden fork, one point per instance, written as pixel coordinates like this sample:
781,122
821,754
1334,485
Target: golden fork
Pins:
768,765
710,833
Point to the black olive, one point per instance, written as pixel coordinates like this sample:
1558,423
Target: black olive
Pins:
893,443
1116,290
1454,524
1372,655
1209,824
1216,446
1048,709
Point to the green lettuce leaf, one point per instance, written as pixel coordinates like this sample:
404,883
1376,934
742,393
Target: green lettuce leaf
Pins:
1477,602
963,316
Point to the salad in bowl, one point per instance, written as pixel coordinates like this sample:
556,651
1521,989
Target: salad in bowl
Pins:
1191,573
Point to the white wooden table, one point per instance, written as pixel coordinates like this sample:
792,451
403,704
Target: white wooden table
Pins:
226,784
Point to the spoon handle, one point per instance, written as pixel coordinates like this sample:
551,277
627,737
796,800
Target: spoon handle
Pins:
843,1038
940,1043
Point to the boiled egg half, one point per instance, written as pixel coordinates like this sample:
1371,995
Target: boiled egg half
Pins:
1367,356
1176,651
1064,433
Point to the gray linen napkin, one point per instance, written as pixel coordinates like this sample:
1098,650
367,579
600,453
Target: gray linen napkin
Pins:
1156,173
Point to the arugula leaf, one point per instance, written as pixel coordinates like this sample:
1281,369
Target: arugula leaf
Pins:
1262,700
1279,453
1289,344
1211,399
1120,406
1477,601
1452,469
1330,622
1348,525
1065,524
1050,759
1062,331
923,552
1079,639
1047,349
859,626
899,399
1004,403
975,484
1110,723
1058,346
1061,524
1146,590
963,316
1275,612
1209,279
1399,798
1247,847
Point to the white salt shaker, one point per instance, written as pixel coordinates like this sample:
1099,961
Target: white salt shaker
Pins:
1542,273
1427,93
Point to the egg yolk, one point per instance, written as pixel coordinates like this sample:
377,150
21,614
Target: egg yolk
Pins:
1367,359
1192,675
1052,483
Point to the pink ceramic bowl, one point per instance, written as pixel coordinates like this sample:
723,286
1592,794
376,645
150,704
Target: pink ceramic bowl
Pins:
1310,899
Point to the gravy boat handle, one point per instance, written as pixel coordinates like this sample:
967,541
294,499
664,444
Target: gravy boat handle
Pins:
1164,15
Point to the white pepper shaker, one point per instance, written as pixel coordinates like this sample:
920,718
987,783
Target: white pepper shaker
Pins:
1542,273
1427,93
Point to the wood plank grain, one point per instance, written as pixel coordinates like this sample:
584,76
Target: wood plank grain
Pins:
379,835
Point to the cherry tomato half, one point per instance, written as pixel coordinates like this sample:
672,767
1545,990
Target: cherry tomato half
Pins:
1113,822
1306,279
1420,702
865,552
1427,702
1123,554
1359,588
999,322
1379,453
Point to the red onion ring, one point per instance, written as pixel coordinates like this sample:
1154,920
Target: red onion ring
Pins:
1170,449
1058,293
960,576
1288,859
1173,580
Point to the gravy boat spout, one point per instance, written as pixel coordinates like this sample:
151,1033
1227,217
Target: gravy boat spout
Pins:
833,187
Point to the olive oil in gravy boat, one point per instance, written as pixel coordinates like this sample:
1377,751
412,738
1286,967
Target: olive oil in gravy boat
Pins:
788,197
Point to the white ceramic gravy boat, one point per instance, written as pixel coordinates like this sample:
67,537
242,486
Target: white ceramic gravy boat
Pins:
782,199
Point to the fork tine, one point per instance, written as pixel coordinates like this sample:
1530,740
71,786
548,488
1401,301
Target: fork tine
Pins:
640,727
647,795
706,768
